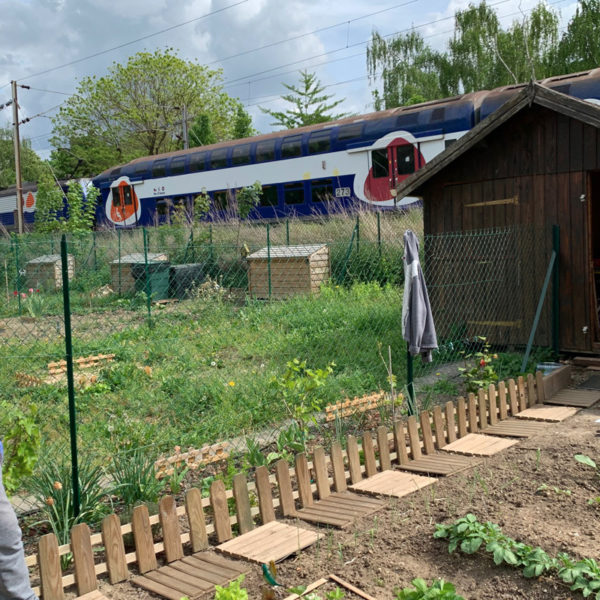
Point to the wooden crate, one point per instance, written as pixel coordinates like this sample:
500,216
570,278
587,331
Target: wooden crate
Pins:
292,270
45,272
123,281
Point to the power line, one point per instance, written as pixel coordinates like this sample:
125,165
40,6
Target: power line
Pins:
40,114
320,30
47,91
123,45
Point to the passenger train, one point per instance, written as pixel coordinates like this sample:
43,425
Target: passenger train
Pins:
358,159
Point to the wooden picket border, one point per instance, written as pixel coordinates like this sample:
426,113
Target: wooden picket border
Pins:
431,431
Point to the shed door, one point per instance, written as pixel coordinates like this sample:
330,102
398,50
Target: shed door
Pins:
594,220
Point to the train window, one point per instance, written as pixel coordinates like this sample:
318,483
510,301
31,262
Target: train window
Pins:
405,159
319,142
159,168
162,208
347,132
291,146
127,196
178,165
241,155
197,162
269,196
379,159
220,199
293,193
141,168
321,190
407,120
265,151
218,159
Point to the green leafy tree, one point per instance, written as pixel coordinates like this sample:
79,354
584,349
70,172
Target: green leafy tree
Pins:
242,126
579,47
309,104
49,204
80,210
31,163
135,110
201,133
409,69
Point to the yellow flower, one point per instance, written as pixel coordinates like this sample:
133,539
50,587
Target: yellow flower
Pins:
57,485
231,384
495,356
49,501
438,374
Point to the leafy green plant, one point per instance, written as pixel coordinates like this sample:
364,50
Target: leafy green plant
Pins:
438,590
583,575
52,487
233,591
479,371
586,460
176,478
134,478
21,437
34,303
545,487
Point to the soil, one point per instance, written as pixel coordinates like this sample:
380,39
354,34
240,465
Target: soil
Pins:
386,551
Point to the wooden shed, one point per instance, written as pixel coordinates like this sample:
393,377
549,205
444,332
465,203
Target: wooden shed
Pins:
45,272
121,270
534,163
284,271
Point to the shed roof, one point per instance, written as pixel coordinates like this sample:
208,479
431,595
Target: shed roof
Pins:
534,93
287,251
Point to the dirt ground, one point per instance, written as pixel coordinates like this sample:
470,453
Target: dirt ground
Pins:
388,550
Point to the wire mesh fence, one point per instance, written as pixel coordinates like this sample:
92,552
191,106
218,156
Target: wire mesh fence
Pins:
242,333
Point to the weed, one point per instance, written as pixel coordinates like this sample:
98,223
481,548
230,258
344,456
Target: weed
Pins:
544,487
134,478
479,371
439,589
233,591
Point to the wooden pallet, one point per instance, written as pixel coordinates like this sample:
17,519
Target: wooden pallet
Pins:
339,509
193,576
439,464
392,483
577,398
271,542
553,414
515,428
477,444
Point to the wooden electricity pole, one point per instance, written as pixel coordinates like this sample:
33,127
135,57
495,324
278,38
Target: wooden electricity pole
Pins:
17,143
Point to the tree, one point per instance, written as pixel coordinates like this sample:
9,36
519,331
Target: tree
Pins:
49,204
309,104
201,133
135,110
481,55
242,126
409,70
31,163
579,47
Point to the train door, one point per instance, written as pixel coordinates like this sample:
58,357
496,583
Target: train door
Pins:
124,209
389,167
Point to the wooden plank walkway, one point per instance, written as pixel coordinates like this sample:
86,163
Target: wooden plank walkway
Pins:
477,444
517,428
192,576
271,542
542,412
577,398
339,509
392,483
438,464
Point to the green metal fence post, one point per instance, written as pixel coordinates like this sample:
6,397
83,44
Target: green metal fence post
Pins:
287,232
555,290
269,257
379,233
357,234
70,378
147,272
119,244
18,272
410,383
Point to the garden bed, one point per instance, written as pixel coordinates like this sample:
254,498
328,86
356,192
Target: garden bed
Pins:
535,491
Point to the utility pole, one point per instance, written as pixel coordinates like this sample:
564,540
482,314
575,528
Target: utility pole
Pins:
17,143
186,144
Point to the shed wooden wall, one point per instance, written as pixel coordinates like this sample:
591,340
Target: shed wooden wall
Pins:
543,158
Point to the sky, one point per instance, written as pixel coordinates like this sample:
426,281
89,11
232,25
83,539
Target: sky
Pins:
51,45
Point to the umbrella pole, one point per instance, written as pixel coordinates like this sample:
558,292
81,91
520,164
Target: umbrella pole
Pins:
410,382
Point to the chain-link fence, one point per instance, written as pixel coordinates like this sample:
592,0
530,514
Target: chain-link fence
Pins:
240,332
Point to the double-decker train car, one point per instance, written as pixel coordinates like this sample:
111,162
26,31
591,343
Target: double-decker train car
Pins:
315,169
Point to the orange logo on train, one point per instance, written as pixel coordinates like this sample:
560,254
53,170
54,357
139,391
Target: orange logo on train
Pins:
122,205
30,200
